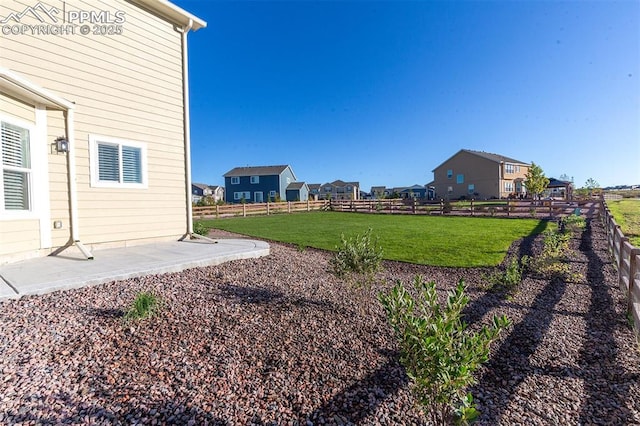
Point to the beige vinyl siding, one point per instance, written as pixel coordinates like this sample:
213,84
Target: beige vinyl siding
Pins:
127,87
18,237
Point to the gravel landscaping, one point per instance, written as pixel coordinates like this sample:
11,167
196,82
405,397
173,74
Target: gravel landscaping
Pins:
279,340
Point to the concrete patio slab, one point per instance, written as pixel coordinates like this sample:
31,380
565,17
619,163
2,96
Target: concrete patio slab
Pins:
70,270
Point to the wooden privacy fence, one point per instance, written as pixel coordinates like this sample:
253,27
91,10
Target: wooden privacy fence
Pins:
627,258
515,208
228,210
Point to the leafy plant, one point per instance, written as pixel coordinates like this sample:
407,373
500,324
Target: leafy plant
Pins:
438,352
511,276
200,228
145,304
360,255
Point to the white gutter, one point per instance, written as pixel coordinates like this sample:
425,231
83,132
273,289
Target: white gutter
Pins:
73,192
187,125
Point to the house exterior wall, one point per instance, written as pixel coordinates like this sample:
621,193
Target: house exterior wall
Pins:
265,185
127,87
483,173
490,179
301,194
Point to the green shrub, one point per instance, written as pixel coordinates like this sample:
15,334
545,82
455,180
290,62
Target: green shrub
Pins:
200,228
573,223
511,276
360,255
437,350
145,304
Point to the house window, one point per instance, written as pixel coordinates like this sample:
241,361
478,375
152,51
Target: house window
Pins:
449,174
16,167
471,188
508,168
272,194
117,163
255,179
327,189
235,180
242,195
450,189
460,179
508,186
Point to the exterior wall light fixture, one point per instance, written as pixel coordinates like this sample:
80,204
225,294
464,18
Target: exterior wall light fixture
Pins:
62,144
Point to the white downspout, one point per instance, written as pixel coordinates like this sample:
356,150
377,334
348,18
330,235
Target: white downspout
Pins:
187,124
73,192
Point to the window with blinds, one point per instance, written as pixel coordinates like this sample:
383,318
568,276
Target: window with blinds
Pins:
117,163
16,167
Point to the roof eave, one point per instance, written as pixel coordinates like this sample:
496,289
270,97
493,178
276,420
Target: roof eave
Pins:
173,13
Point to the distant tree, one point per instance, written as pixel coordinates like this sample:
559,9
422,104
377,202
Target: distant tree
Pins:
565,177
535,180
591,184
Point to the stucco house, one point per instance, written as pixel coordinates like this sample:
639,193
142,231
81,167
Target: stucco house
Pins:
259,184
94,113
479,175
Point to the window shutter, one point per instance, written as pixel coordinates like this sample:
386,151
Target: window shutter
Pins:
131,164
108,163
15,158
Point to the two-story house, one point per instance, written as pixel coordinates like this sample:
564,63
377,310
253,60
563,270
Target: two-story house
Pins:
340,190
479,175
94,127
212,193
259,184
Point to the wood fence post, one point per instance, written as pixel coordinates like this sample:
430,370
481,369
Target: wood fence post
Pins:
633,267
288,206
621,247
441,206
308,208
268,211
472,207
244,210
217,210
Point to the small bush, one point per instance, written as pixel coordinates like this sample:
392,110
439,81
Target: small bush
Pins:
438,352
145,305
200,228
511,276
360,255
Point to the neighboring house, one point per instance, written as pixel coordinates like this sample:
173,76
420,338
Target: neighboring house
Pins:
297,191
378,192
199,191
258,184
415,191
480,175
94,128
314,191
340,190
559,189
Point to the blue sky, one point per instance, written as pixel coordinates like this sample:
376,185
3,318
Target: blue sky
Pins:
384,92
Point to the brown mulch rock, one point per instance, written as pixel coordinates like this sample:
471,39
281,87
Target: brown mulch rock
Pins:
279,340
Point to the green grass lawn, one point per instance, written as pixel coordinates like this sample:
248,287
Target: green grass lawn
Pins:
427,240
626,212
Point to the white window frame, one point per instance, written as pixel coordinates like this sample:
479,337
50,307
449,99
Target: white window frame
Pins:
254,179
471,188
94,140
31,171
237,196
460,178
449,173
272,194
235,180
